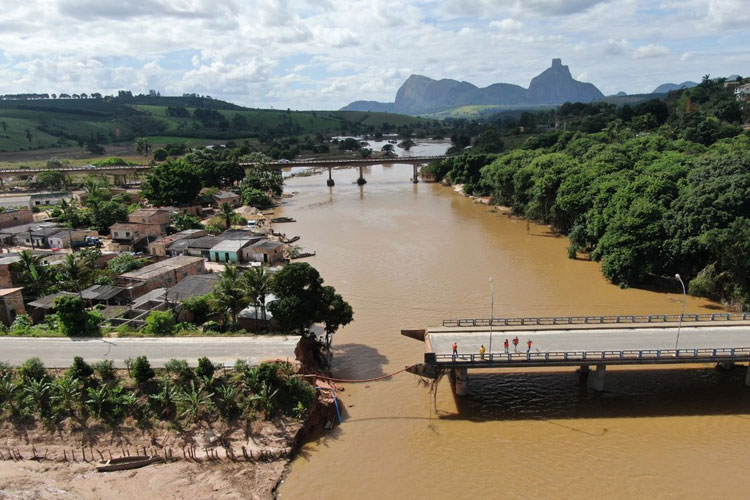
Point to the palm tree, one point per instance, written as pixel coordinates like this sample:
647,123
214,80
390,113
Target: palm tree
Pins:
257,285
229,294
33,274
72,273
226,211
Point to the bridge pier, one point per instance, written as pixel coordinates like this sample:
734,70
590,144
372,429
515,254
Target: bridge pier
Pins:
415,180
747,377
461,380
361,181
330,182
596,378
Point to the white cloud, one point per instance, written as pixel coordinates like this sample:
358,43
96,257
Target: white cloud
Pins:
507,24
649,51
327,53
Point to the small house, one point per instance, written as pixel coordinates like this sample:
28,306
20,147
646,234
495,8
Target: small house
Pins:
234,251
201,247
267,251
129,234
10,218
222,197
152,216
160,245
11,305
164,274
65,237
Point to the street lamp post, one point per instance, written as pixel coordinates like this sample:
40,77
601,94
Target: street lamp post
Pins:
682,313
492,310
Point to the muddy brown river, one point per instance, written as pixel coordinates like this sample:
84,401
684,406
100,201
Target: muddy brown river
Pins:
409,256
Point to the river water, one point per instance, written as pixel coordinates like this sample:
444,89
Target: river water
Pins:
409,256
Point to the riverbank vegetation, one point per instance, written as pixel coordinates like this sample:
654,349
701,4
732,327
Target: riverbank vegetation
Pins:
651,190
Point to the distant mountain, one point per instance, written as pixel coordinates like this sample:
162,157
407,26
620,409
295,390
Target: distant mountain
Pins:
421,95
669,87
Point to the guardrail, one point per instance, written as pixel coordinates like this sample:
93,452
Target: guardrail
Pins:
595,320
612,356
347,161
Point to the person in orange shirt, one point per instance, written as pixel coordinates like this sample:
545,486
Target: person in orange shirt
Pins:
482,350
528,343
506,344
515,344
455,351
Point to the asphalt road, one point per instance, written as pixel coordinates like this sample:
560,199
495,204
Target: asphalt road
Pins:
59,352
595,340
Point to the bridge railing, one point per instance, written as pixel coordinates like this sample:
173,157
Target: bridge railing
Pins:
709,354
594,320
353,161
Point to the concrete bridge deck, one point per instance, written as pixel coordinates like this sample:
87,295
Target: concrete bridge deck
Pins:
586,341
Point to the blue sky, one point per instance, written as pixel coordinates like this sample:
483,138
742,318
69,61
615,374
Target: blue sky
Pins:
324,54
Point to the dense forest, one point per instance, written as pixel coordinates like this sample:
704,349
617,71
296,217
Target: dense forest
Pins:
651,190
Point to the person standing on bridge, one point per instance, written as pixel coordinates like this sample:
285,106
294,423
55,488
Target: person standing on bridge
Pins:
528,343
515,344
506,344
455,351
482,350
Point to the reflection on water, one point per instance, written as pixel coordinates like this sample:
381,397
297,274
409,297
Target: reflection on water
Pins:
409,256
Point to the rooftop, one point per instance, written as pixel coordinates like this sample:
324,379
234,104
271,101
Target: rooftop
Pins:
205,242
193,286
101,292
230,245
8,291
161,267
125,225
147,212
48,301
268,245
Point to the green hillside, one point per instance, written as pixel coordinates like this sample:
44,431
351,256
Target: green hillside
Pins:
48,123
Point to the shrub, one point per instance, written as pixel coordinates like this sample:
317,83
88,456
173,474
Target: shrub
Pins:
160,323
21,325
141,370
106,370
205,368
80,369
180,369
32,369
211,326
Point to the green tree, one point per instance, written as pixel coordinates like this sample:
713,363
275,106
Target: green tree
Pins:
205,369
72,318
160,323
229,294
34,274
258,285
142,146
124,263
255,197
51,179
174,182
183,222
103,214
226,211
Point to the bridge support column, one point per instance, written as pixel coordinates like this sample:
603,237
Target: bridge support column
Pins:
747,377
361,181
416,171
596,379
583,372
725,365
330,182
462,381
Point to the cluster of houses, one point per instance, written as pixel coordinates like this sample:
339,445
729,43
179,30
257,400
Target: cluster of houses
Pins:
179,268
